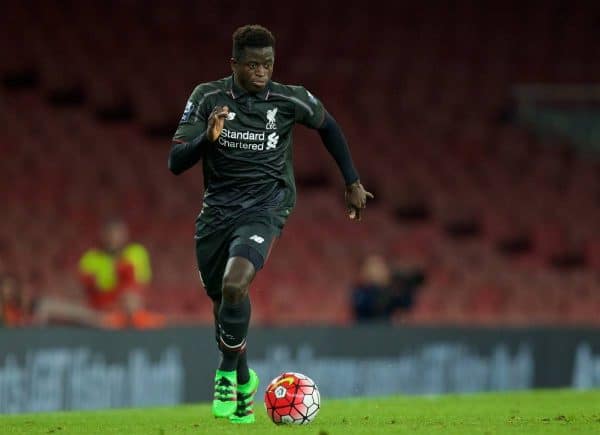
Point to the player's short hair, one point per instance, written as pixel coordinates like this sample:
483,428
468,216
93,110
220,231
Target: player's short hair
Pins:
251,35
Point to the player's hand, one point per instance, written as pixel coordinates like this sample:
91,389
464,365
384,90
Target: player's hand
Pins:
356,199
216,119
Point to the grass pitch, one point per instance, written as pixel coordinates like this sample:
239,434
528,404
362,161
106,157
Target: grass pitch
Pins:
539,412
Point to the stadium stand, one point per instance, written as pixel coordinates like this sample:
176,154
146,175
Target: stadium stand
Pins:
505,225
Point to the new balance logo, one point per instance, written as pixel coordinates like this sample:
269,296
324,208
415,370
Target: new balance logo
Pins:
230,116
272,140
258,239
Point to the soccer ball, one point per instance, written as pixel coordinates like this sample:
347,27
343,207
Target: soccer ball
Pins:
292,398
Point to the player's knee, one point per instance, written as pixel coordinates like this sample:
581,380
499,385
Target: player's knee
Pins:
234,290
239,273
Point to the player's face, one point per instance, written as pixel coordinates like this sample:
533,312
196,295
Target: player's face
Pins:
255,68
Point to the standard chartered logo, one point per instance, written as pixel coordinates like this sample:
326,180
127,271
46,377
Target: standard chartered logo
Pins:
272,141
248,140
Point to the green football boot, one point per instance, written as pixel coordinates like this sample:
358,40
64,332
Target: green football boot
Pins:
244,412
225,398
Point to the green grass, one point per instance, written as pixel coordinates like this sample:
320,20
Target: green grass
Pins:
540,412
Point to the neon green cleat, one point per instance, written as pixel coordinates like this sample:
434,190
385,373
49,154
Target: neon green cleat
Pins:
244,412
225,398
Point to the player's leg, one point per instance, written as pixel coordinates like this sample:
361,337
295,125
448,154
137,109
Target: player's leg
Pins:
226,385
212,254
243,373
234,312
233,320
216,307
247,380
249,251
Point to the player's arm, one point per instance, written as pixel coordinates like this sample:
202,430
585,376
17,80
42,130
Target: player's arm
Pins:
311,113
335,142
187,149
195,132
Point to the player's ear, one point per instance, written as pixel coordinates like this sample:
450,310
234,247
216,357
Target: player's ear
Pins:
233,63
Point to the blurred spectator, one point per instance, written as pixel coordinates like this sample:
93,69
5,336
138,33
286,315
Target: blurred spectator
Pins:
115,277
382,292
370,297
13,308
405,283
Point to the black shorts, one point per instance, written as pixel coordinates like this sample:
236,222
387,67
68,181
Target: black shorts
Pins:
252,241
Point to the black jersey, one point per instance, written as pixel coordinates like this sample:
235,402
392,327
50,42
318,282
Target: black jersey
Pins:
248,169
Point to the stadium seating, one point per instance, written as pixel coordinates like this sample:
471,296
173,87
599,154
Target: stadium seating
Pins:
505,225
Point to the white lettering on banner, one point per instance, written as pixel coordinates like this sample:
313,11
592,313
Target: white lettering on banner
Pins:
55,379
435,369
586,370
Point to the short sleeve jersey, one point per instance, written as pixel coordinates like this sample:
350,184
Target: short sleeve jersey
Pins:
248,169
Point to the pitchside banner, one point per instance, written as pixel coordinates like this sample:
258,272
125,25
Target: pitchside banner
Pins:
55,369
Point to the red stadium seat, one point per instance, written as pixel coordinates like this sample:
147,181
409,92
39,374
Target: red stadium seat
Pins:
424,136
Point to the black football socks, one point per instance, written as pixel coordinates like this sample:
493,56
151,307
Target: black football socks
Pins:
243,373
233,321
